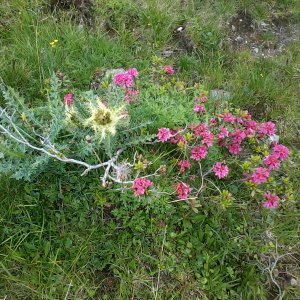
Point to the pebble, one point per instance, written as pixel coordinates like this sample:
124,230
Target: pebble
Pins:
219,94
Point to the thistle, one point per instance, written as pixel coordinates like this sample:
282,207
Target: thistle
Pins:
103,120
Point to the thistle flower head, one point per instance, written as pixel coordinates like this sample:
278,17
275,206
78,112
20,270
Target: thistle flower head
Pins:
103,120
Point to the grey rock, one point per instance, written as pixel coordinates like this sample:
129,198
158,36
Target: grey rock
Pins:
219,94
239,39
112,72
294,282
167,52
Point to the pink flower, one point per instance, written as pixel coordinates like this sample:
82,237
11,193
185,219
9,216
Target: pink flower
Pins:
123,79
223,133
182,190
199,129
237,136
176,138
126,78
251,125
234,149
260,175
164,134
169,70
131,95
184,164
220,170
268,128
68,99
228,118
133,72
198,152
272,200
208,138
281,151
140,185
201,99
213,121
272,161
198,109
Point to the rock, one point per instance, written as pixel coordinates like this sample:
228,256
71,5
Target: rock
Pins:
112,72
263,26
167,52
219,94
239,39
294,282
255,50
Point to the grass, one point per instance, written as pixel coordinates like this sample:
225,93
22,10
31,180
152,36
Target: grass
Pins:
64,238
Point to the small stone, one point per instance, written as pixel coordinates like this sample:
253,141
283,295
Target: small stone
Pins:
167,52
255,50
88,139
219,94
294,282
112,72
239,39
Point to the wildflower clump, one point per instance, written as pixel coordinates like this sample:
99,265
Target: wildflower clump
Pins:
229,145
209,151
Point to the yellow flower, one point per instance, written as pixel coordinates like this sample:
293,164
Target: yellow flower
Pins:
53,44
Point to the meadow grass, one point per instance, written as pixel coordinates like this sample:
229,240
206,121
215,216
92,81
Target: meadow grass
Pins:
64,238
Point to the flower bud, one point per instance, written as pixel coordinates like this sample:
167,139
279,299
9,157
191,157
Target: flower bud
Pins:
68,99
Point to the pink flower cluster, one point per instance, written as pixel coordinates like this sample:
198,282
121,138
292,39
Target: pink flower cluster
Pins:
228,118
232,132
202,98
272,200
126,78
68,99
177,137
198,153
184,164
281,151
220,170
199,109
140,186
201,130
131,95
164,134
182,190
260,175
268,128
169,70
272,161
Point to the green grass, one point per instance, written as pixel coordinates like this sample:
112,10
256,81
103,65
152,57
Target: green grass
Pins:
64,238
